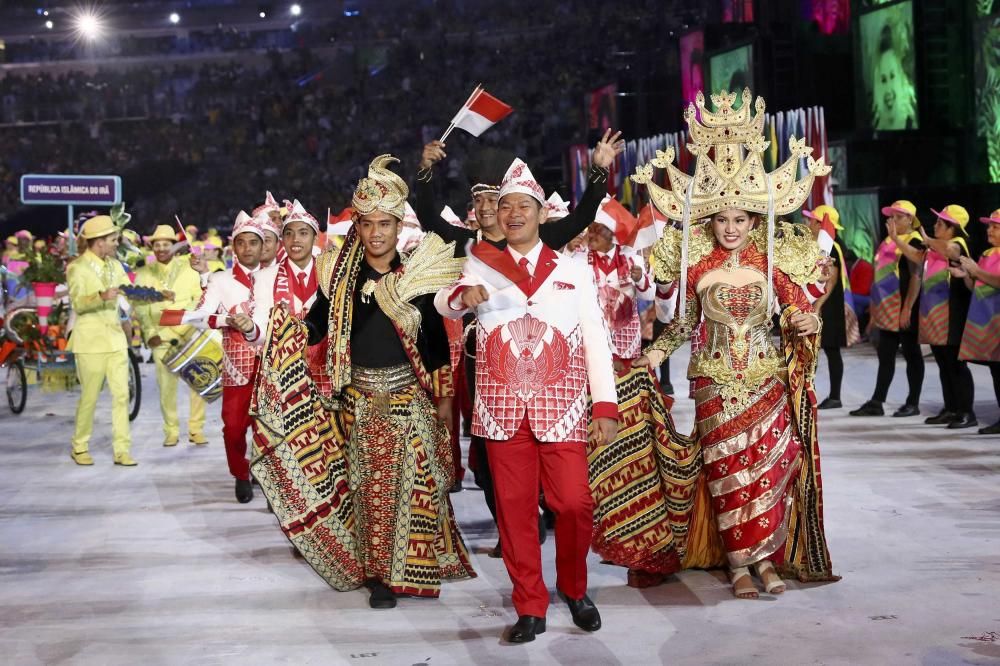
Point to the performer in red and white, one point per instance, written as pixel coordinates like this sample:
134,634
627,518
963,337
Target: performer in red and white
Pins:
293,282
227,304
268,216
621,279
541,340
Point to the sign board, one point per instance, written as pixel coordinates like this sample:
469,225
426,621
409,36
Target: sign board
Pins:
66,190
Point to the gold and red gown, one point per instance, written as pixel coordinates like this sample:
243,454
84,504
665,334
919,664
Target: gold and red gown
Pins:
754,418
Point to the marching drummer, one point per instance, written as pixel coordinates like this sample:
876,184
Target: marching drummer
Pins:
98,342
180,285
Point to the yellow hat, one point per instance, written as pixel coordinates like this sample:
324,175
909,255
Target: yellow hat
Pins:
97,227
819,213
903,207
162,232
956,216
994,218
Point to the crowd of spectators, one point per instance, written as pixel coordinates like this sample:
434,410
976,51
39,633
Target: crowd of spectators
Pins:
203,142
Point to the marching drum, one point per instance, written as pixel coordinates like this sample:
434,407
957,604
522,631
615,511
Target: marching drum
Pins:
198,361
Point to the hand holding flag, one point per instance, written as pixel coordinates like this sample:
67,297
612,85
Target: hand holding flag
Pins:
479,113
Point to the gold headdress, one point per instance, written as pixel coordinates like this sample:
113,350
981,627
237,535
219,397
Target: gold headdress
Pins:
381,190
733,176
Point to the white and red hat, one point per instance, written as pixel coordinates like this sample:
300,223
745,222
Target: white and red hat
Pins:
244,223
519,180
267,222
270,205
298,213
555,207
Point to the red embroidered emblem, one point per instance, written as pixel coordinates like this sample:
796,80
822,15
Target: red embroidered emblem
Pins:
527,363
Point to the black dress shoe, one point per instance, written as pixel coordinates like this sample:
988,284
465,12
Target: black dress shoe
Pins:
870,408
584,613
244,491
991,430
830,403
667,389
381,596
543,531
456,487
496,553
525,629
943,417
963,420
907,410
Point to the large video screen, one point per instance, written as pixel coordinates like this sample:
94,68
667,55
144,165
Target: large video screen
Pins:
732,70
988,92
692,65
888,68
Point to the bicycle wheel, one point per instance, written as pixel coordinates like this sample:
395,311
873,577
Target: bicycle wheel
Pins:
134,386
17,387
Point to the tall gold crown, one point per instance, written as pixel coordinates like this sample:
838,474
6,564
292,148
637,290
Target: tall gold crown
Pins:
734,176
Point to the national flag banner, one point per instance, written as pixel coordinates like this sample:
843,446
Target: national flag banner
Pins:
480,113
339,224
649,229
618,218
451,217
180,317
827,234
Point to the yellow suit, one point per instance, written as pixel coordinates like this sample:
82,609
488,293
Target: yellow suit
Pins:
99,347
176,276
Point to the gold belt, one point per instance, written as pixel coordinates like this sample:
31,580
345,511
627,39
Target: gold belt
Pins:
383,380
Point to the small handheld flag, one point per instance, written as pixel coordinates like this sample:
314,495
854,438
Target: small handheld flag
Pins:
479,113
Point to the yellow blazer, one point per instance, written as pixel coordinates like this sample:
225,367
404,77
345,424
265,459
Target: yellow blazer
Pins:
178,277
97,328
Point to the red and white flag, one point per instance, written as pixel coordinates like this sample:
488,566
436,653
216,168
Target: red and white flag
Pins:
649,229
617,217
339,224
481,112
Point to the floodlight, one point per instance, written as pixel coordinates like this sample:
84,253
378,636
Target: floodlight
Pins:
175,18
295,9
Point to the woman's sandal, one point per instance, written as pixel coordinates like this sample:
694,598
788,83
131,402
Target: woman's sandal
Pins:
743,585
769,576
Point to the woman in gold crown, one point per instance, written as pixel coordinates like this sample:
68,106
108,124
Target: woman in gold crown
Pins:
754,405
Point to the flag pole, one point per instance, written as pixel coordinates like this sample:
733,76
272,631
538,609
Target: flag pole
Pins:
472,98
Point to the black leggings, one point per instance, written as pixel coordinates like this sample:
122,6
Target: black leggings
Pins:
835,362
888,343
995,371
956,379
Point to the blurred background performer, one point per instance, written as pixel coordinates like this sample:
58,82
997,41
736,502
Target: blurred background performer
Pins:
830,305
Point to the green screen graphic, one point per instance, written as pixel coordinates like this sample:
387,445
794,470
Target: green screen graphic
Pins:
888,67
732,70
988,92
859,215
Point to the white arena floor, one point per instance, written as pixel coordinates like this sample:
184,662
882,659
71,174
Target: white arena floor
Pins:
159,565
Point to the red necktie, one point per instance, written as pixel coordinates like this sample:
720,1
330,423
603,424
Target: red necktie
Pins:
523,263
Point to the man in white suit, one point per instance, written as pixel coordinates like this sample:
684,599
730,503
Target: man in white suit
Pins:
541,343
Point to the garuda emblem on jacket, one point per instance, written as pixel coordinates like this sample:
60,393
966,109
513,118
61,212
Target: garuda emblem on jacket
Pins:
527,362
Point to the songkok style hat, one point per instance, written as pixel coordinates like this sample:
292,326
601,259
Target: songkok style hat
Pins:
486,168
555,207
298,213
246,224
381,190
956,216
519,180
821,212
98,227
162,232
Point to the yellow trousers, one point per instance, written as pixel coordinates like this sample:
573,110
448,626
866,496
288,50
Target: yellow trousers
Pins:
92,369
167,383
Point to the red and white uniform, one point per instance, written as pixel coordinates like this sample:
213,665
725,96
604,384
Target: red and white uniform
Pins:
618,296
296,287
230,293
540,343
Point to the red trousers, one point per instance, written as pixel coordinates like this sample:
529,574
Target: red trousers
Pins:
518,465
236,420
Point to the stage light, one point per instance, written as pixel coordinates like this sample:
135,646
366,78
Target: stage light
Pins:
45,13
48,25
88,26
175,18
262,14
295,10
